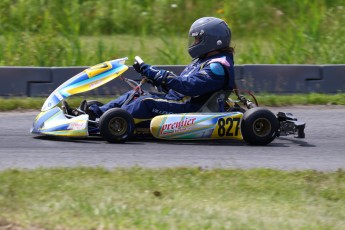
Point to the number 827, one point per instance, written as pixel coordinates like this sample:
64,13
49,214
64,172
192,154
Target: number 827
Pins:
226,125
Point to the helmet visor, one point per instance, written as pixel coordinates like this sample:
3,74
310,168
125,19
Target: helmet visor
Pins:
193,40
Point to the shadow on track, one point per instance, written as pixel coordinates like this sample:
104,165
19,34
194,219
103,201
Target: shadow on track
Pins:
88,140
291,141
297,142
83,140
142,141
100,140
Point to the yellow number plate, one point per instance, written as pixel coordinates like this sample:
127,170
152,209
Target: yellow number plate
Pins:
228,128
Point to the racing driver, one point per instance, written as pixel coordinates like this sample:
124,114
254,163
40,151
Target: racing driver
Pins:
211,70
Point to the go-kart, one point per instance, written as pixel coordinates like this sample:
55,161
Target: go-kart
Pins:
221,117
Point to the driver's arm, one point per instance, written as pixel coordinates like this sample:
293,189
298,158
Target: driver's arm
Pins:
210,78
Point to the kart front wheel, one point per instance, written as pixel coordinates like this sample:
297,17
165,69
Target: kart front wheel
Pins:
116,125
259,126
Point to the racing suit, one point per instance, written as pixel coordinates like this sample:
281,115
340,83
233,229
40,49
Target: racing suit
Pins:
185,93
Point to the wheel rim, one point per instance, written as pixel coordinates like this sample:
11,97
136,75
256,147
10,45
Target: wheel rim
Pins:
262,127
117,126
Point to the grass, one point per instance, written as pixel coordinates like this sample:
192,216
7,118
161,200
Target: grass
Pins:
82,33
8,104
182,198
301,99
95,17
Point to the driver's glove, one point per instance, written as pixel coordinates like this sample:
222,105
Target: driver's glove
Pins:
157,77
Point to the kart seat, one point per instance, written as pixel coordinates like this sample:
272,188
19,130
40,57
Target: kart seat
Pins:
216,102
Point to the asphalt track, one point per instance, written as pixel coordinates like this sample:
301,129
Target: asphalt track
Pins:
323,149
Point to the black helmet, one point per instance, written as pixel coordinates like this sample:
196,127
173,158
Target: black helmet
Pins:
208,34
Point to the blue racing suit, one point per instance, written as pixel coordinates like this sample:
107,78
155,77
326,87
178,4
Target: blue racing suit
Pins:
185,93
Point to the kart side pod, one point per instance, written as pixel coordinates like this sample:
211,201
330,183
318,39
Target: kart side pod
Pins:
257,126
196,126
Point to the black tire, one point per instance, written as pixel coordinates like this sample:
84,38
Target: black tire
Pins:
116,125
259,126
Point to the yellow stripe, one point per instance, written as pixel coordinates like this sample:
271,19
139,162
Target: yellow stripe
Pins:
137,120
75,133
95,84
97,69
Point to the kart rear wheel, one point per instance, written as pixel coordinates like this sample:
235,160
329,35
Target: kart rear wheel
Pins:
259,126
116,125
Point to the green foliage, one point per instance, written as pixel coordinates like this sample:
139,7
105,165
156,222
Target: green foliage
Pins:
182,198
16,103
301,99
52,33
